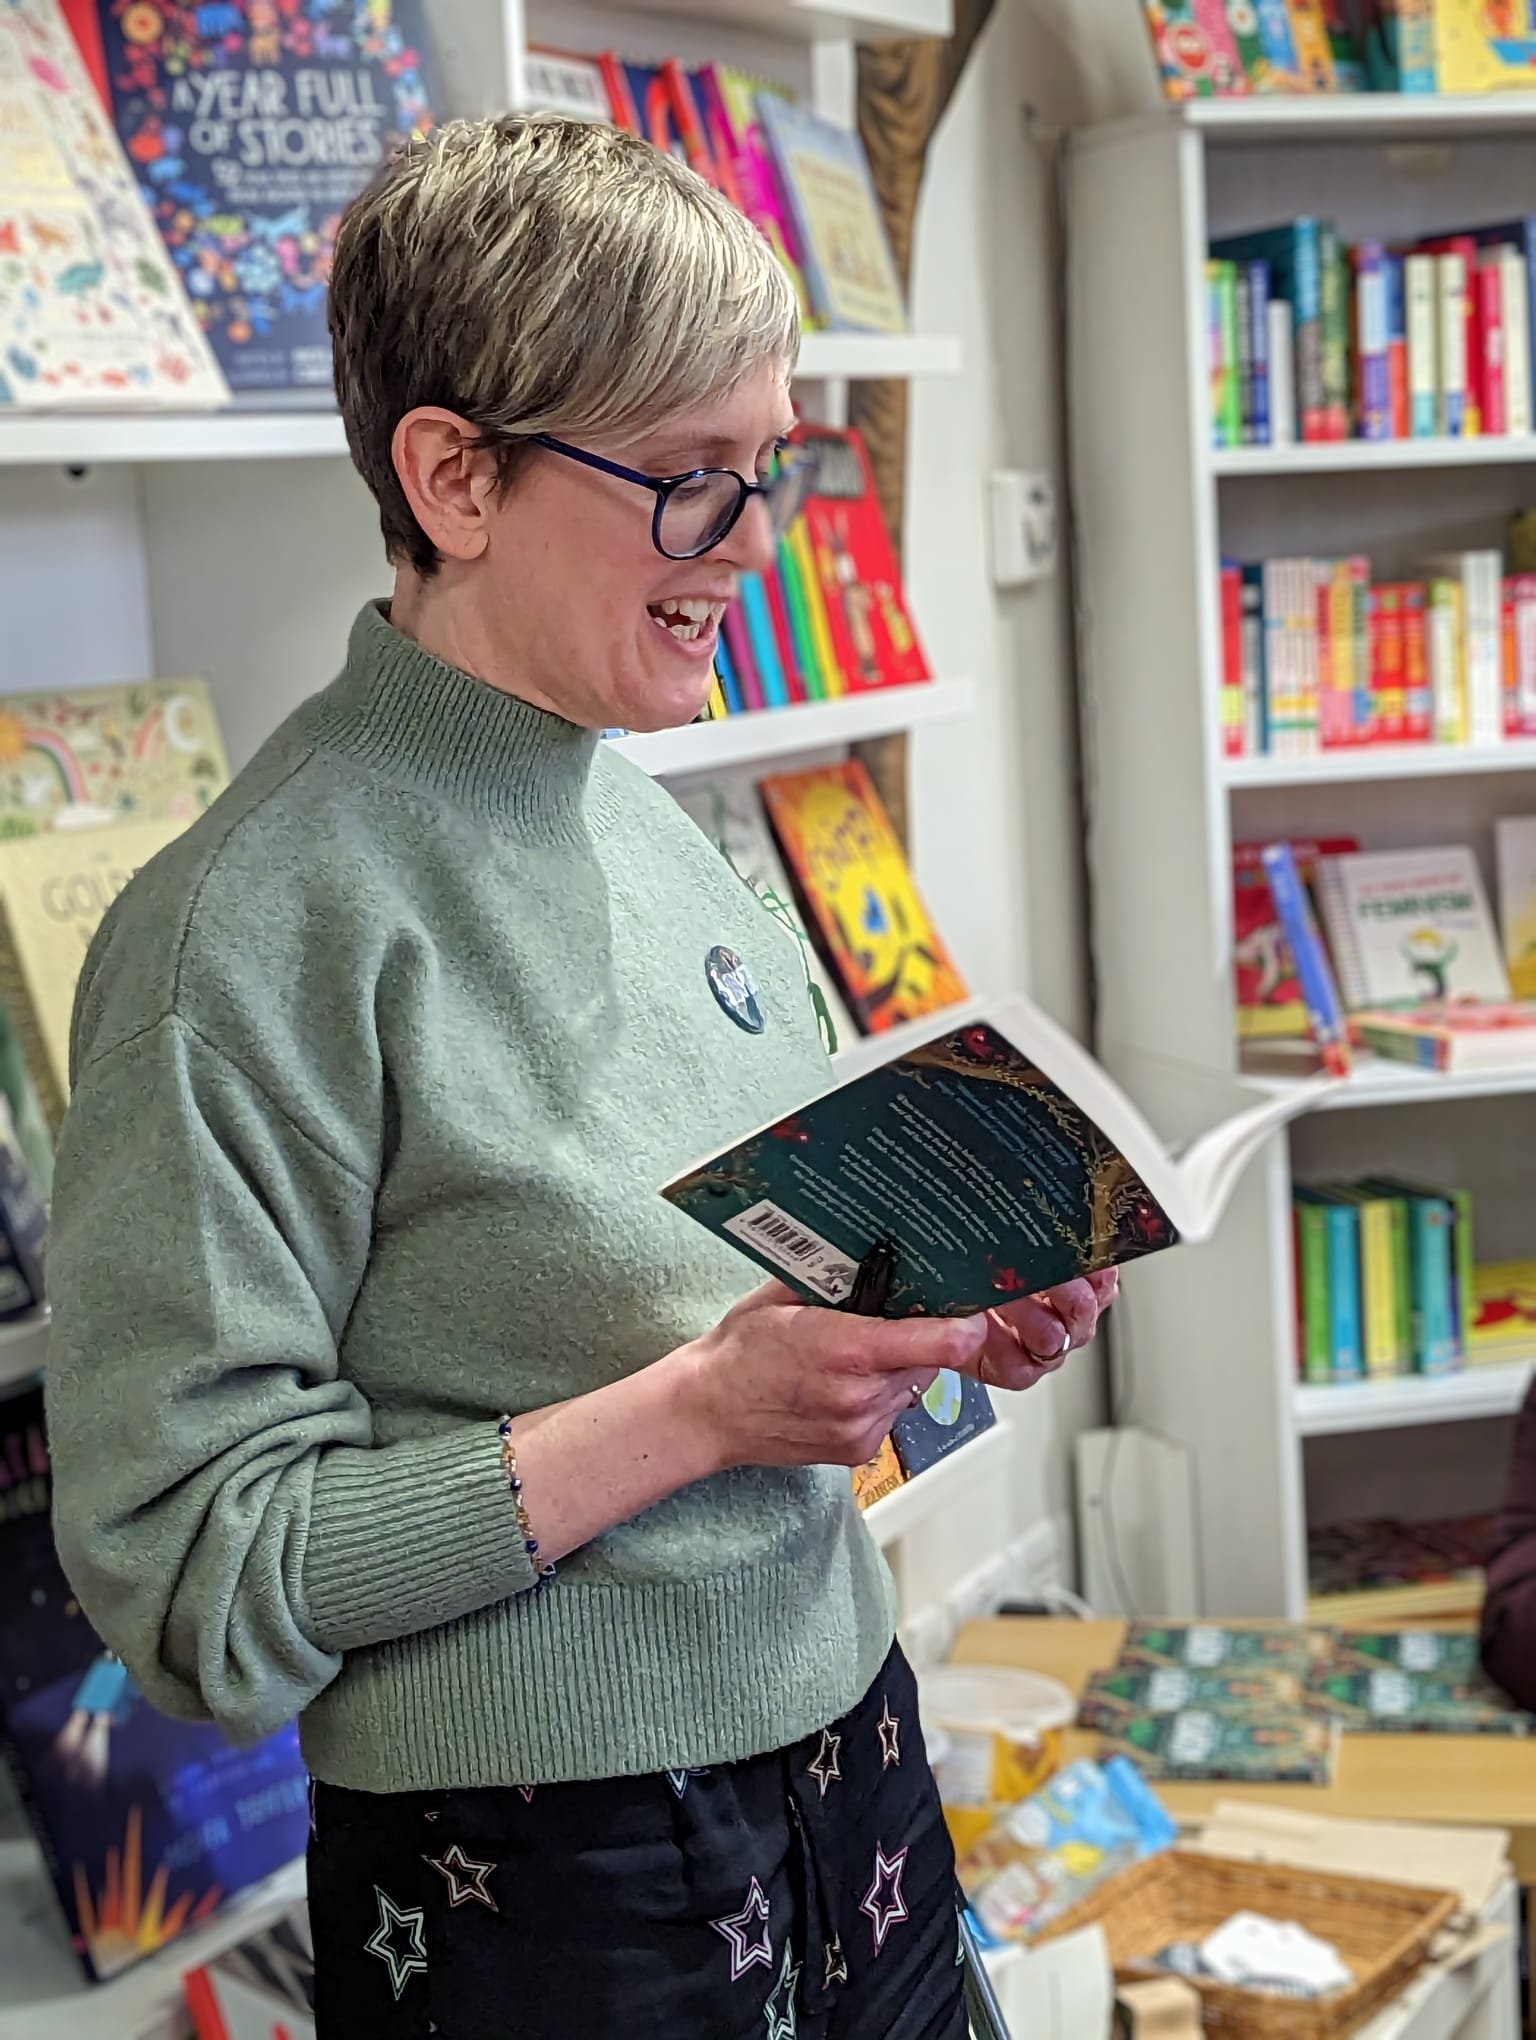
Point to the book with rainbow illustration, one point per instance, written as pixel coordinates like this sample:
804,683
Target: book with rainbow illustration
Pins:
148,750
148,1825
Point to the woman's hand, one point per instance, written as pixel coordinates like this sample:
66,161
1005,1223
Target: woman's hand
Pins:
779,1382
1031,1338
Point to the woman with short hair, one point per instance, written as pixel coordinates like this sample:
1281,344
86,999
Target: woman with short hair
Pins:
385,1389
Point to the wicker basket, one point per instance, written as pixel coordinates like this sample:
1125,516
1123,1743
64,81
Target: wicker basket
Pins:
1383,1932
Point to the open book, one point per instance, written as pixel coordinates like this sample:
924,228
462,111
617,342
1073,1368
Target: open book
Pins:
995,1160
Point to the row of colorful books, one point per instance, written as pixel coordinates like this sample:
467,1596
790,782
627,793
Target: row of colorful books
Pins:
1383,1280
1316,656
1269,1702
1230,48
803,181
1396,951
1310,339
829,618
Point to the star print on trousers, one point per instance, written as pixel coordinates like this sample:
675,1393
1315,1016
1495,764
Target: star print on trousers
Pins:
464,1877
402,1963
746,1946
825,1767
678,1780
837,1963
779,2010
889,1726
883,1904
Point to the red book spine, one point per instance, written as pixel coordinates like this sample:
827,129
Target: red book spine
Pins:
685,112
1490,323
1523,588
84,22
621,102
1231,661
1417,718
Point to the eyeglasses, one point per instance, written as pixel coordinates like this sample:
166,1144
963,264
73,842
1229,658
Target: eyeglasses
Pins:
698,511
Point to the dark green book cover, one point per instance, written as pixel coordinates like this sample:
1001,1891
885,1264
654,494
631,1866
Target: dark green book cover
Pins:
1110,1698
1389,1701
981,1172
1207,1646
1287,1747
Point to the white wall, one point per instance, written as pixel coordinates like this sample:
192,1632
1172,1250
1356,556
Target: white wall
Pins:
995,813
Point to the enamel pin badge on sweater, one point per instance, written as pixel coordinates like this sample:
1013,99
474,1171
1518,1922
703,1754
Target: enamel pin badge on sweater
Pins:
735,989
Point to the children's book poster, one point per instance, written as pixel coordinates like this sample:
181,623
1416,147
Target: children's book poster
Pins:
251,124
148,1825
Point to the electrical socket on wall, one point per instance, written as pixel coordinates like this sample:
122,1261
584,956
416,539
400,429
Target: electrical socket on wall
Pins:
1024,526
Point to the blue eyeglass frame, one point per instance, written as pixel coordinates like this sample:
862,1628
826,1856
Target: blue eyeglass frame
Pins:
663,487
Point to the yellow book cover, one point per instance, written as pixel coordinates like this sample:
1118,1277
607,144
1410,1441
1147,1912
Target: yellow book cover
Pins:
148,750
54,890
1485,45
1314,51
1503,1311
1448,662
1379,1314
848,862
1515,857
877,1477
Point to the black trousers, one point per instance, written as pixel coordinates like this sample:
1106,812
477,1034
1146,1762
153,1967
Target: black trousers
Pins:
803,1895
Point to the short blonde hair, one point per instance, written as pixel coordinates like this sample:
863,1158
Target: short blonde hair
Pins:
538,274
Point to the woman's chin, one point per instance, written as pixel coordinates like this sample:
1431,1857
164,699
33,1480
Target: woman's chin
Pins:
667,704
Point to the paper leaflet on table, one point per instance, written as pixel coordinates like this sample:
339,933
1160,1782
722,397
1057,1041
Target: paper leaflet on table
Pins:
998,1158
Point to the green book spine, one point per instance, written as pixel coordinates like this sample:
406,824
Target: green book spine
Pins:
1231,380
1312,1275
800,624
1462,1308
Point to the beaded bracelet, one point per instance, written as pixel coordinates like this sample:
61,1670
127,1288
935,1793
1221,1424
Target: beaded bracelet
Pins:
515,1488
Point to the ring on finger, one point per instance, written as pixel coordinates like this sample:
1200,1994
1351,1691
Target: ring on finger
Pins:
916,1392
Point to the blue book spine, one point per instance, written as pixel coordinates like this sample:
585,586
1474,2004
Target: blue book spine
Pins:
1434,1294
1275,38
765,645
1371,341
730,686
1344,1339
1314,972
1258,301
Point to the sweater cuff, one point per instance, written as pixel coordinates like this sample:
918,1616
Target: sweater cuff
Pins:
406,1537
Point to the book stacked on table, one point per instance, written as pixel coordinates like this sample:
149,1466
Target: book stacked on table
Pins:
1267,1702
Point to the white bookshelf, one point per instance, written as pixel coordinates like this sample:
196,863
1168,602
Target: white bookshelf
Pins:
1207,1345
763,735
1322,1409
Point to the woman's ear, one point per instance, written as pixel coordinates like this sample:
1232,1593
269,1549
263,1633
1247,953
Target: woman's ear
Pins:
448,482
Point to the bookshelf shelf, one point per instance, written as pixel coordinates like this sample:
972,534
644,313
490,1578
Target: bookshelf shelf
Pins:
1322,1409
86,439
1371,456
1364,116
934,1490
863,20
1376,1081
810,726
1381,761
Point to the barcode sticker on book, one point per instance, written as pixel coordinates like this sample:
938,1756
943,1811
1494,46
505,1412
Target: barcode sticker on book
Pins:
793,1247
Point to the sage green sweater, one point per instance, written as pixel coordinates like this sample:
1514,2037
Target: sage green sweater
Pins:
377,1073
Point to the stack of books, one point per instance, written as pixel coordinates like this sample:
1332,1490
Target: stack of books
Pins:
1384,1279
1229,48
1314,340
1388,1570
1395,952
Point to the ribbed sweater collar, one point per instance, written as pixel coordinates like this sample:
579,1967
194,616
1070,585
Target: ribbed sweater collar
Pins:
406,713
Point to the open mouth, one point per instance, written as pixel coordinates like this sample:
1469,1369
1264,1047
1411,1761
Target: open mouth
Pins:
687,619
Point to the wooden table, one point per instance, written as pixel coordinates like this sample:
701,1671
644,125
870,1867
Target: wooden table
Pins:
1460,1780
